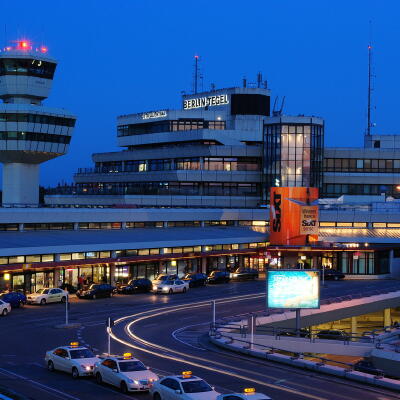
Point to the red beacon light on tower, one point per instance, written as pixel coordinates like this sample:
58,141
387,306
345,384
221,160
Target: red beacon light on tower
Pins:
24,45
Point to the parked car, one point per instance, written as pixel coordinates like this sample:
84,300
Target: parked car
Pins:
74,359
219,277
333,334
172,286
5,308
195,280
96,290
367,367
304,332
125,372
163,277
47,295
333,274
136,286
69,288
244,274
15,299
182,387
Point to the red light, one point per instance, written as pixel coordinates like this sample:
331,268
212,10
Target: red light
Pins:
44,49
196,57
23,45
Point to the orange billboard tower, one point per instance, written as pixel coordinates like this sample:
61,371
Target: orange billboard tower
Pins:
293,216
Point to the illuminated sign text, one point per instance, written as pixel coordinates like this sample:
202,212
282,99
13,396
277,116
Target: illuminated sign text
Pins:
208,101
154,114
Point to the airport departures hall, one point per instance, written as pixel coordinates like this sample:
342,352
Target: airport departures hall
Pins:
190,190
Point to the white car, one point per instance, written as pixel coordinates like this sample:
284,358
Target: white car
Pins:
160,278
183,387
75,359
248,394
48,295
172,286
5,308
126,372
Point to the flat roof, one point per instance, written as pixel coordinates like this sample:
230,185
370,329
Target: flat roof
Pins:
43,242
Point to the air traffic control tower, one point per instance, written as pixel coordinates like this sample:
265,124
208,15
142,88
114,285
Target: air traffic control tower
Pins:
30,133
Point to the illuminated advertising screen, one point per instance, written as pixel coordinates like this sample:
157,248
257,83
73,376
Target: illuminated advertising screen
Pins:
294,288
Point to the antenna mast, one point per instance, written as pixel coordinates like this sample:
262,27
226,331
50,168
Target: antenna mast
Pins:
369,125
196,74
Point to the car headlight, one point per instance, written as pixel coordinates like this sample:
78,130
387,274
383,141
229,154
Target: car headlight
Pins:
154,287
165,289
234,275
136,382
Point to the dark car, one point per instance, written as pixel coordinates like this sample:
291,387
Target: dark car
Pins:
242,274
69,288
333,274
96,290
136,286
304,332
333,334
16,299
218,277
367,367
195,280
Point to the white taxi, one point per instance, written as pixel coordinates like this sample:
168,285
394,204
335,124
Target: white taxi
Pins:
5,308
47,295
183,387
126,372
248,394
75,359
171,286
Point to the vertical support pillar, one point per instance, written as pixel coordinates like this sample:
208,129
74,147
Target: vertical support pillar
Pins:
76,226
20,184
353,328
112,274
57,282
204,265
387,321
20,227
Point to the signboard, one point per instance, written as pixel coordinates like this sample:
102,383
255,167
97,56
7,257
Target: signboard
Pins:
309,220
201,102
286,205
154,114
294,288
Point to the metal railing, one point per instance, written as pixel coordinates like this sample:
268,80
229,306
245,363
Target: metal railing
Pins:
348,367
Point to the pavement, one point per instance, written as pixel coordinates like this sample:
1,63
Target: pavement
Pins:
167,332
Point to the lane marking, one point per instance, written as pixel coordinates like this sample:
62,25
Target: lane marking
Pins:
41,385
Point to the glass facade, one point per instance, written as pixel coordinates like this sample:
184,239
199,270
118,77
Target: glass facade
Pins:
37,119
28,67
361,165
35,136
338,189
294,154
181,124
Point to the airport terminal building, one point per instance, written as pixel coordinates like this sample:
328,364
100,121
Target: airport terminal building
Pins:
189,191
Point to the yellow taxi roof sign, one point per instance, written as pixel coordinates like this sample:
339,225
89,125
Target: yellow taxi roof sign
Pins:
187,374
249,390
74,344
127,356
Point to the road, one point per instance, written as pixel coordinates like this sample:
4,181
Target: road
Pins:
166,332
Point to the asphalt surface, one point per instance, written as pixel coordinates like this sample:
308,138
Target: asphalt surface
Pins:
168,334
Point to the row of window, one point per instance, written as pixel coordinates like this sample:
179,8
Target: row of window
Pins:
37,258
359,224
162,188
29,67
34,136
189,163
335,189
182,124
37,119
128,225
360,165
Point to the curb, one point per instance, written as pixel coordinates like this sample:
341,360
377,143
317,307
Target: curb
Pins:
360,377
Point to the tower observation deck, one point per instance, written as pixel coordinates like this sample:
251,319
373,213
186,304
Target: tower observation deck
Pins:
30,133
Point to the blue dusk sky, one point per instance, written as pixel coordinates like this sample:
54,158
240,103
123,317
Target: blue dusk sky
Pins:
130,56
